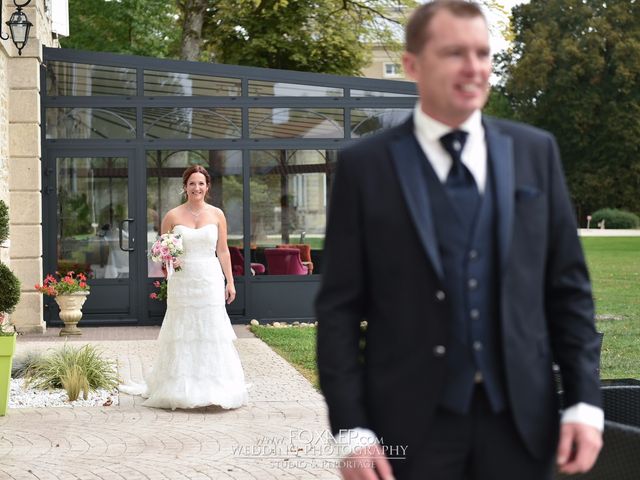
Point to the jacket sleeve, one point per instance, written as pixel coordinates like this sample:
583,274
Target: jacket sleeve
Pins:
568,298
341,300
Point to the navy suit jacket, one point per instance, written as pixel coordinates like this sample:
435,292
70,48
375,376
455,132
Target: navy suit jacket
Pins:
382,265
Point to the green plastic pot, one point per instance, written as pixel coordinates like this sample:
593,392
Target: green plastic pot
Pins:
7,347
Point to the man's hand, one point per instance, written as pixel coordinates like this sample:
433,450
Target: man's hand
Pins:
360,465
578,447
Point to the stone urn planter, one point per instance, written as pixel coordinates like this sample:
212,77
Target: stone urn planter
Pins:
7,347
71,311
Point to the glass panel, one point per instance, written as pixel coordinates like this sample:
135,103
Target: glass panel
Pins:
92,202
189,84
91,123
368,93
192,123
288,208
366,121
278,89
296,123
164,190
79,80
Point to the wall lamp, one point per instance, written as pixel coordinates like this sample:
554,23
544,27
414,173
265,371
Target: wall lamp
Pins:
19,26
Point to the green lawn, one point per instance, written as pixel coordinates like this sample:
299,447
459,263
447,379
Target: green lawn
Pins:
296,345
614,264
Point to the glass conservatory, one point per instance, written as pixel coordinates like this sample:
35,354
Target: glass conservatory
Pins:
118,131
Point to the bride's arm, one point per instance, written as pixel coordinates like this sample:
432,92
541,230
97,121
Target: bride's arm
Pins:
222,250
167,222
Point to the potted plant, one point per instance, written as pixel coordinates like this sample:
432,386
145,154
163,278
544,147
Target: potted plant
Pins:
9,297
70,292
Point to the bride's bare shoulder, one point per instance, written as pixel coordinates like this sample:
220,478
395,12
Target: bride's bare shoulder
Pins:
171,219
217,211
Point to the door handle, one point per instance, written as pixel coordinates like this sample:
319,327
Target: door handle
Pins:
130,249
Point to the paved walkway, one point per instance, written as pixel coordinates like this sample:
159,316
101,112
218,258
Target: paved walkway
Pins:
281,434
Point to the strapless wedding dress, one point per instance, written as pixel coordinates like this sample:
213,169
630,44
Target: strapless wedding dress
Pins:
197,363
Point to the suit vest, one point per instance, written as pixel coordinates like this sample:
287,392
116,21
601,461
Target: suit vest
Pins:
466,231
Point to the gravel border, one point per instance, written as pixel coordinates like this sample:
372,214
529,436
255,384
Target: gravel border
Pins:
22,397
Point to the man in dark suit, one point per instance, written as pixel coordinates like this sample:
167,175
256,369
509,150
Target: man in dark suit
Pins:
453,236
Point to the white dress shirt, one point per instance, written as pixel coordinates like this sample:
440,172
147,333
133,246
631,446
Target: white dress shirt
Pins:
474,156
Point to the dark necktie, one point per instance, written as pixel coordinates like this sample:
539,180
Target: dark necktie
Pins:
459,176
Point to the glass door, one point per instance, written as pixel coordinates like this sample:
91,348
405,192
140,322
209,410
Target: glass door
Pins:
91,228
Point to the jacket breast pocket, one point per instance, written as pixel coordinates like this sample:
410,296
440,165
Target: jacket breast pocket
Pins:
526,193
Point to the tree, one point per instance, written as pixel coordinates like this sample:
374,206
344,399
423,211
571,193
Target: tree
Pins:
322,36
328,36
192,13
574,69
138,27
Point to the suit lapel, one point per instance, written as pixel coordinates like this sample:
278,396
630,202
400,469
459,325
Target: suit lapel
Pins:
406,156
500,156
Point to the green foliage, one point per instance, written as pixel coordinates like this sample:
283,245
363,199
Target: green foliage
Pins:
161,294
574,69
329,36
4,221
137,27
498,104
23,363
614,218
9,289
73,369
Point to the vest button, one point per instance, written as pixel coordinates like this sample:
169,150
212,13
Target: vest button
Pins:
439,351
440,295
473,254
474,314
477,346
472,283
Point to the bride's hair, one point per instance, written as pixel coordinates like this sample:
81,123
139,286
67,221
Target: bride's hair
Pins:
190,171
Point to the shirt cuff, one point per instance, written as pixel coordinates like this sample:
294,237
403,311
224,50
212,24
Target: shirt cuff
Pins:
350,440
585,414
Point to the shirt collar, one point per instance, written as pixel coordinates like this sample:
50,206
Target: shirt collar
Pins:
431,129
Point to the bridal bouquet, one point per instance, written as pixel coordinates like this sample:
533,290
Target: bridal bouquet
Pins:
167,248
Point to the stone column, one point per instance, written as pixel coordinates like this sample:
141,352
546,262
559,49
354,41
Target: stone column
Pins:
24,121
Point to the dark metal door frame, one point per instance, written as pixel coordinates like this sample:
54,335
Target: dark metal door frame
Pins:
135,313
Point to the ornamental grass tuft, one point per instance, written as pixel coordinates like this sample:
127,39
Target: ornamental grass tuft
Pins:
74,381
23,363
74,369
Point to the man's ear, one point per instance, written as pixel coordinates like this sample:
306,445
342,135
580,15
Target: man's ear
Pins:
409,65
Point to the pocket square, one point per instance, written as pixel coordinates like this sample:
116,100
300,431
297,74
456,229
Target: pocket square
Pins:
526,192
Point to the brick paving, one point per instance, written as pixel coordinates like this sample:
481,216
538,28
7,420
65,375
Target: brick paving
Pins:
282,432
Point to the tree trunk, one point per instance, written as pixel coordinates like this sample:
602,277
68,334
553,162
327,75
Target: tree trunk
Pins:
193,12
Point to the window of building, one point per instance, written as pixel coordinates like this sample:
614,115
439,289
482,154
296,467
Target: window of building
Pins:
392,70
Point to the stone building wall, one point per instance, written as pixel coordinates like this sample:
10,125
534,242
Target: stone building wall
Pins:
20,93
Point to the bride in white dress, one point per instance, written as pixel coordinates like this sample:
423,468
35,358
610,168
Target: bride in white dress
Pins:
197,363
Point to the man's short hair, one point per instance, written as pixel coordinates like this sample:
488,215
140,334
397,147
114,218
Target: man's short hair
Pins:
417,31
